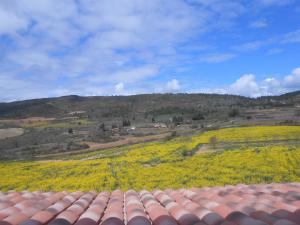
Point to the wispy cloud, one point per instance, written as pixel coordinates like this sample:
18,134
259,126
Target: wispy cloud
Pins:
275,2
274,51
291,37
285,38
216,58
252,45
258,24
126,75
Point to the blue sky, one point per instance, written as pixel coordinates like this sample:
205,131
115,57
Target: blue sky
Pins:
120,47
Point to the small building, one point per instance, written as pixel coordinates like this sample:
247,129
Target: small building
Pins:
160,125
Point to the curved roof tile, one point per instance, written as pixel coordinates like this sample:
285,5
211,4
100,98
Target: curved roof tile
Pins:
268,204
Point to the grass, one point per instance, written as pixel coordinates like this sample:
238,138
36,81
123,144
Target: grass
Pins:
166,164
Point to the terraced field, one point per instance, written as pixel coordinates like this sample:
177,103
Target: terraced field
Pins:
251,155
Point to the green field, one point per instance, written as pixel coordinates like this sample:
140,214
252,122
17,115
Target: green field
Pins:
258,155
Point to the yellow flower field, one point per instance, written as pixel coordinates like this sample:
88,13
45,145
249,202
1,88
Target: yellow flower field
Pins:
167,164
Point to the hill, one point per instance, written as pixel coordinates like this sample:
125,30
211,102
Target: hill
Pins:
43,127
140,105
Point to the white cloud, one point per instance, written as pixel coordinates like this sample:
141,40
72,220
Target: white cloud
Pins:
119,87
107,41
293,80
245,85
216,58
173,85
58,46
248,85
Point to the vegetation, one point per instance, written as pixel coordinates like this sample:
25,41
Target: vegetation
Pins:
234,113
251,134
198,116
55,124
50,124
126,123
176,163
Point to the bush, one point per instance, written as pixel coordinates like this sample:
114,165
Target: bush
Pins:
177,120
173,134
102,127
213,141
114,126
198,116
194,126
234,113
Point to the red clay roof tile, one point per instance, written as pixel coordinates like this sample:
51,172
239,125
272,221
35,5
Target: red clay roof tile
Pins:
271,204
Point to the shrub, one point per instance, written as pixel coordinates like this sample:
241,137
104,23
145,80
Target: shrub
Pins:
198,116
177,120
102,127
213,141
234,113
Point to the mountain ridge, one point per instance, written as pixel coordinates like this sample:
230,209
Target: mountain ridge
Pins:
61,106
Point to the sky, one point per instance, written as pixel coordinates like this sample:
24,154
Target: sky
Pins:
52,48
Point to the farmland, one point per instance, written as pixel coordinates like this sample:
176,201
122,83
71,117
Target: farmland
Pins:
53,128
257,154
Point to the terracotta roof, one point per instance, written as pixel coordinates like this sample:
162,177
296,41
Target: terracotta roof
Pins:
272,204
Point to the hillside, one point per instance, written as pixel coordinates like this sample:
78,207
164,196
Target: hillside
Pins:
139,105
38,129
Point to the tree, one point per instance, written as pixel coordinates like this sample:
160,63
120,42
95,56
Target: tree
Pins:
114,126
177,120
126,123
70,131
102,127
198,116
173,134
234,113
213,141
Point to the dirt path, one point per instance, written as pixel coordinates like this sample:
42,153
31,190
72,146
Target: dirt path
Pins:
10,132
125,141
26,120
